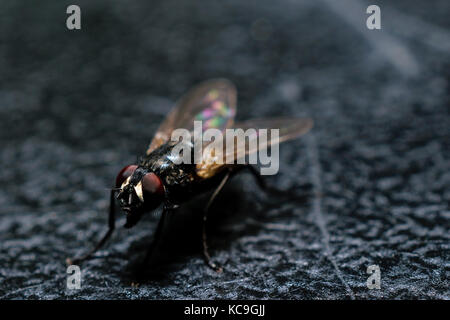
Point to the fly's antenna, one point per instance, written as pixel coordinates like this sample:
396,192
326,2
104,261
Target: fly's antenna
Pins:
116,190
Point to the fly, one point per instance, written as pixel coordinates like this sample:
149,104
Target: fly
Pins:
156,179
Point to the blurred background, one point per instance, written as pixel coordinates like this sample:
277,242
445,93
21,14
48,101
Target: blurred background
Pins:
371,180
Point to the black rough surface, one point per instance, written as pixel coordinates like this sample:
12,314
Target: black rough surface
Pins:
372,179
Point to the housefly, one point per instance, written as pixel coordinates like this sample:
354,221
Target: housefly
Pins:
156,179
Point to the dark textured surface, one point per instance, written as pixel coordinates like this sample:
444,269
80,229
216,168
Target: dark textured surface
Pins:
372,178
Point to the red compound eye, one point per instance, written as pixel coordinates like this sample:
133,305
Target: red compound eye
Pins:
152,184
124,174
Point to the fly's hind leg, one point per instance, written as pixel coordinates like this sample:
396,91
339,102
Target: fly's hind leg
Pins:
259,179
286,194
206,255
111,227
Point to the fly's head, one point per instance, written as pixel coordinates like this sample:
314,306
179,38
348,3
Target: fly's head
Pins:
139,191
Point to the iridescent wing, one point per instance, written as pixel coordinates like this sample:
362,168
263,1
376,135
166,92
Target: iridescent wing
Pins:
289,128
213,102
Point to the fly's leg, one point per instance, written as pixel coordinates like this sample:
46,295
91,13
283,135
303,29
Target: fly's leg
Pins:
259,179
156,238
111,226
288,194
206,254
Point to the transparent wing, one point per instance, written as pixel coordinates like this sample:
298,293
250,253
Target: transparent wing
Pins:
213,102
254,139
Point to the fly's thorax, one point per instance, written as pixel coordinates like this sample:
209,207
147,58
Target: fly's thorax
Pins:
163,163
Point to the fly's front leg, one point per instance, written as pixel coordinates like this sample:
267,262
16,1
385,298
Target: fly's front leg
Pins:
111,227
206,254
167,209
